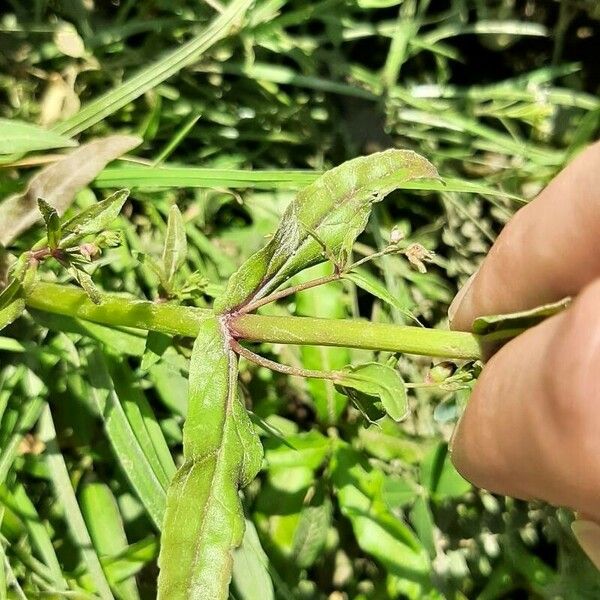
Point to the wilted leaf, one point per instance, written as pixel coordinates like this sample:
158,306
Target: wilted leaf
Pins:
17,137
59,182
68,41
175,250
372,385
204,519
332,211
59,101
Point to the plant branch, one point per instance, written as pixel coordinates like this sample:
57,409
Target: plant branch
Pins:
289,291
123,311
337,275
275,366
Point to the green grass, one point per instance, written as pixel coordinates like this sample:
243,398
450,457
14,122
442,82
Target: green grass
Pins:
237,111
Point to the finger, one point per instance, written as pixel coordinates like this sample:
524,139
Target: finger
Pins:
530,429
546,252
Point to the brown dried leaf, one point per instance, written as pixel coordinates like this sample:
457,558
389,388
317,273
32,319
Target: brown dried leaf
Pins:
59,182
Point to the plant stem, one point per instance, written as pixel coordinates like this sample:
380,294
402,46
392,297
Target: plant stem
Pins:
123,311
275,366
307,285
352,333
115,310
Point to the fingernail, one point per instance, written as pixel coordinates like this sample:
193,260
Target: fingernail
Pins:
587,533
455,304
453,434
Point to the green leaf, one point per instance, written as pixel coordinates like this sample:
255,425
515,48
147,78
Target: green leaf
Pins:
155,73
251,578
119,339
440,477
307,449
138,459
378,531
130,561
388,442
156,345
514,323
94,219
372,384
154,265
17,137
364,280
85,281
204,518
334,209
52,221
12,303
19,502
105,525
175,250
66,496
397,493
170,382
327,302
59,182
143,422
422,520
311,534
169,176
23,419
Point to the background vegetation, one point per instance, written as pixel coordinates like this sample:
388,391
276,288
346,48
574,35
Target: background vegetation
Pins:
498,95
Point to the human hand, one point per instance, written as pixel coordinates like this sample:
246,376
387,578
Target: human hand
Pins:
532,426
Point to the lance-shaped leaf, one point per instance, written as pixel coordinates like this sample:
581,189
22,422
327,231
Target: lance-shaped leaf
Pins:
12,303
175,250
93,219
18,136
375,388
204,520
52,221
324,220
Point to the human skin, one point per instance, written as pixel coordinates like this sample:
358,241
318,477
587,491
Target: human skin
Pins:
532,426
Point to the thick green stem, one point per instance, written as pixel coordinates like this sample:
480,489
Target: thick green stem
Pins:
123,311
115,310
352,333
